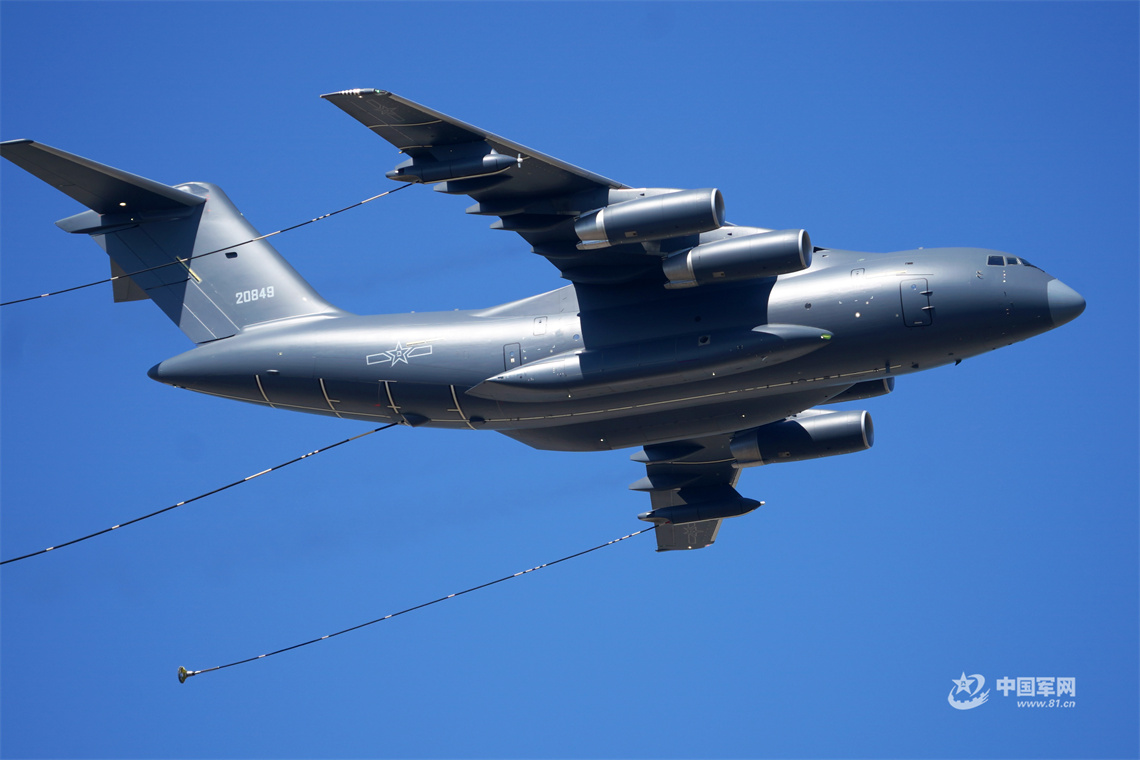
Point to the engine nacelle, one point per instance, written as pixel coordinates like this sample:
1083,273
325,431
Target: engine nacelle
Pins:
766,254
809,435
686,212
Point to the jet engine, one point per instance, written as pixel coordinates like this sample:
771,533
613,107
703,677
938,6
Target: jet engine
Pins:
808,435
761,255
686,212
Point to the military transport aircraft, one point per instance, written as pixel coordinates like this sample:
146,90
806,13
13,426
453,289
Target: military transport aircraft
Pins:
708,345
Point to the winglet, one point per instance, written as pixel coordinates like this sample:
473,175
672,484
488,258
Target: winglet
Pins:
101,188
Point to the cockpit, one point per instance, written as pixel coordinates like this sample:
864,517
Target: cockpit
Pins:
1008,261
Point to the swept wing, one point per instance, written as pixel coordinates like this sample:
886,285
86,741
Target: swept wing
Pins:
547,201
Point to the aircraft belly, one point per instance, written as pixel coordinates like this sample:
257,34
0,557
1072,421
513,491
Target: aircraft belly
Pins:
423,404
629,430
290,391
291,384
356,399
691,410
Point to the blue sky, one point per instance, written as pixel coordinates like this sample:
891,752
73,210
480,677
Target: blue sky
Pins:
992,529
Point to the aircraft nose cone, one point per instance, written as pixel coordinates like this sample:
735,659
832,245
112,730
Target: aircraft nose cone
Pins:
1065,304
155,373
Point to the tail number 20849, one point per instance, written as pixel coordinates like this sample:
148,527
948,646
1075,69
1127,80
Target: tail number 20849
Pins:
246,296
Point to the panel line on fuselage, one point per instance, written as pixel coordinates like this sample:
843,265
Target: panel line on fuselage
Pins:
391,401
328,400
458,409
258,379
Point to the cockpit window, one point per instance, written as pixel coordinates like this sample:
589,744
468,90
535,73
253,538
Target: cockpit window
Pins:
1009,261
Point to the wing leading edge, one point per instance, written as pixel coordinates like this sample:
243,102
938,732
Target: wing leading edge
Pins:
566,213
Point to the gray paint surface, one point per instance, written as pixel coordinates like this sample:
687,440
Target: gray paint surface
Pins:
624,356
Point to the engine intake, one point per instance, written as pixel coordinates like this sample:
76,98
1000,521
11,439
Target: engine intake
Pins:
766,254
686,212
809,435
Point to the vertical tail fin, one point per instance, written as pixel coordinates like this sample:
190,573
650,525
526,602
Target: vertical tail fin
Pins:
142,224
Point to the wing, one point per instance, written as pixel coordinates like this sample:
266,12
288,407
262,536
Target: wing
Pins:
555,206
691,486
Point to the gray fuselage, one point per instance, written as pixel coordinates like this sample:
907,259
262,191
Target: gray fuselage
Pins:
885,315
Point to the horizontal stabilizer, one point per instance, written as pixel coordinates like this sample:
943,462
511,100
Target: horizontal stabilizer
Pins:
101,188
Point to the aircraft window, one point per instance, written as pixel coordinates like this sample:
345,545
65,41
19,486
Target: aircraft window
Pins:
1026,263
996,261
1011,260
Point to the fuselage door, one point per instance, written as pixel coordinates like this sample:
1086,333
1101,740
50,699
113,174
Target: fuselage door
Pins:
916,308
512,356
